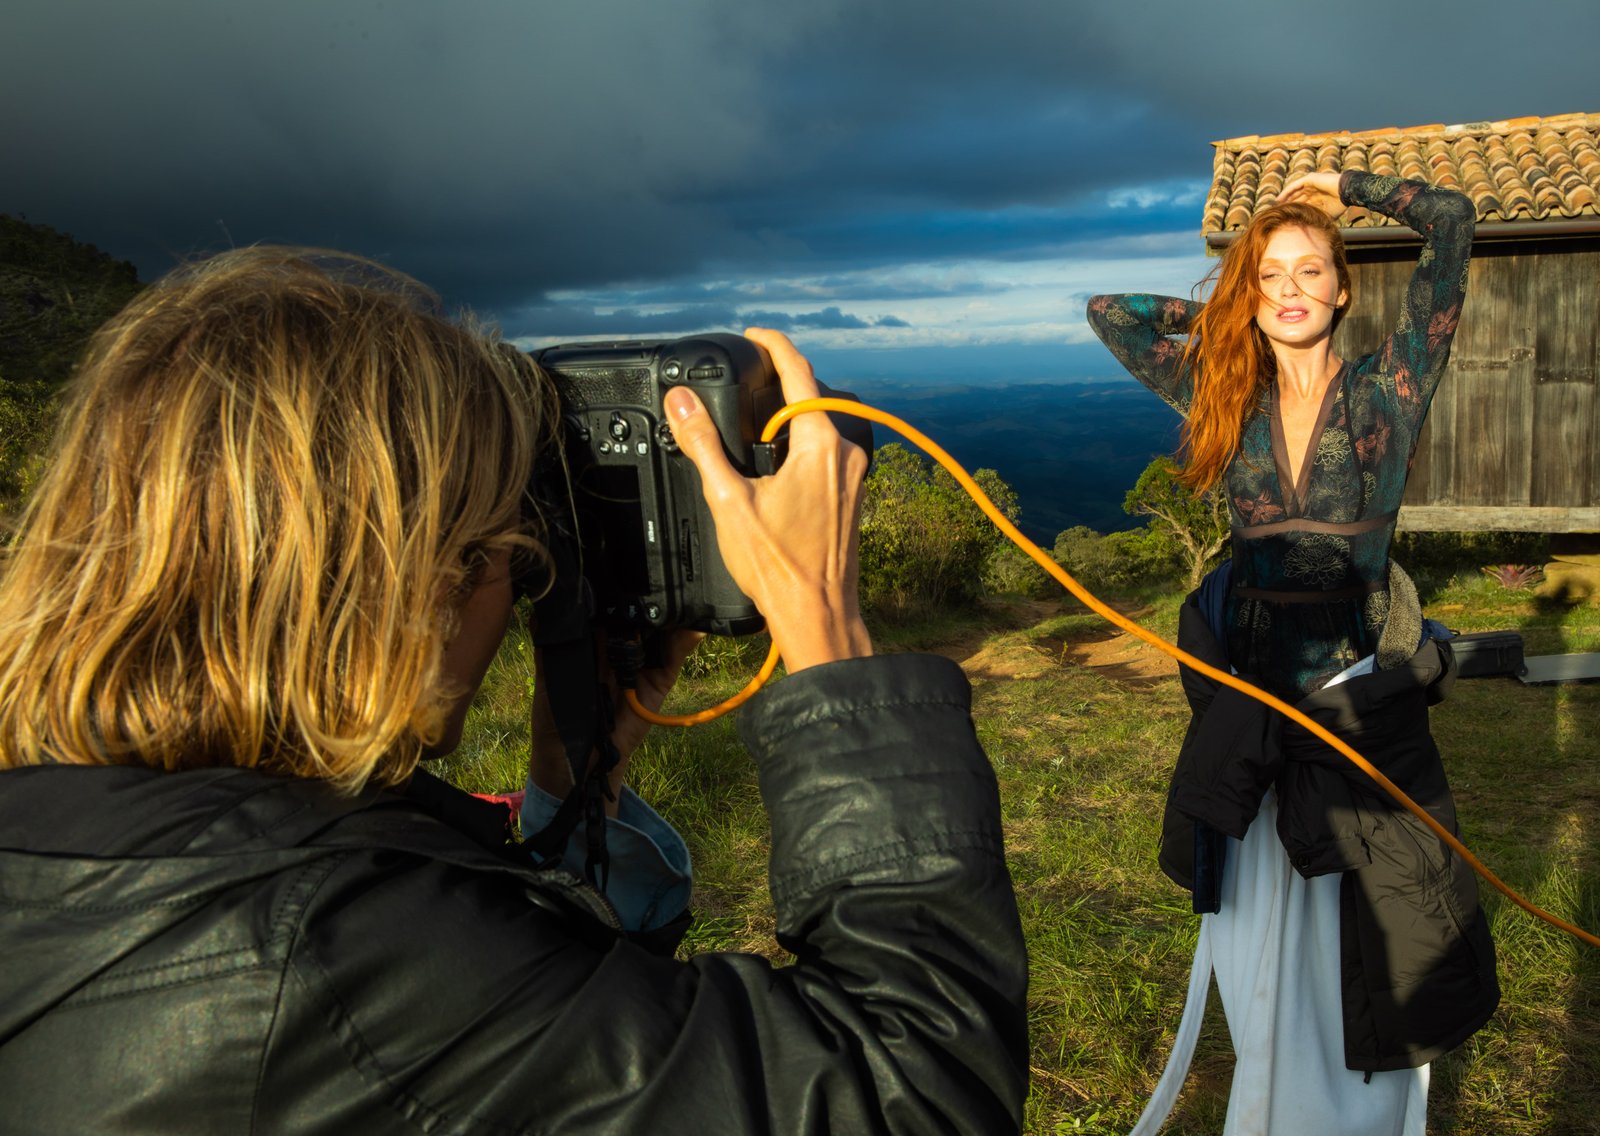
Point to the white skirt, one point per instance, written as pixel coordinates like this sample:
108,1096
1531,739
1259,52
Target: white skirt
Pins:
1274,948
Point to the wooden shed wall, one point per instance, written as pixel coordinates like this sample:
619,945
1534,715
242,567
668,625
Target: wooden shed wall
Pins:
1511,441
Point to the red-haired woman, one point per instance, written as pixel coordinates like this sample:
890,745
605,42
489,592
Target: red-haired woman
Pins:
1341,979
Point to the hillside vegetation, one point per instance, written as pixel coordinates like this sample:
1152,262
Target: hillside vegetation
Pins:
54,292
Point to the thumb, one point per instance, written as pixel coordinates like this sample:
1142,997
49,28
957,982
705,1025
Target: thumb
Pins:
698,438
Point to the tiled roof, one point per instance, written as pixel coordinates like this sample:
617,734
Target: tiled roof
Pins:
1522,169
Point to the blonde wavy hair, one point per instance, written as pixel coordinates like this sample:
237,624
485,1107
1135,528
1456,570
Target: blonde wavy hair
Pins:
1228,354
277,473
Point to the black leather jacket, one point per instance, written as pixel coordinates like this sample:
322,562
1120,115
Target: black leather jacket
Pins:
222,951
1417,960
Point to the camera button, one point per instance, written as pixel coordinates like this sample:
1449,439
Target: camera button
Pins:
672,369
706,372
619,426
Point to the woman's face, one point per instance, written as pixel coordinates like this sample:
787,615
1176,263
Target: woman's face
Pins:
1299,287
483,617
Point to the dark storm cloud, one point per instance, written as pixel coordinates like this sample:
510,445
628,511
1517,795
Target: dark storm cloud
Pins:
505,151
494,146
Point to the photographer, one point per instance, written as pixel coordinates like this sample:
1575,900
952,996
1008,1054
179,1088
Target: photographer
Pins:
267,570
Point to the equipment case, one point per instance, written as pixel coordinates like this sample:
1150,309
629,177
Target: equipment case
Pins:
1483,653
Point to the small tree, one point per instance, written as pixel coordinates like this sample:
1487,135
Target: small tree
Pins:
924,542
1196,523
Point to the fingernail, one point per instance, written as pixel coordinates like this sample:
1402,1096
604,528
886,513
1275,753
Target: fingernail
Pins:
681,402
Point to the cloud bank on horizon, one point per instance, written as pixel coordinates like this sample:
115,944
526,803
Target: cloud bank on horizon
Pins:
937,183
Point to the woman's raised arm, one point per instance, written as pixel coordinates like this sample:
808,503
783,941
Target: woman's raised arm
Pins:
1137,329
1412,359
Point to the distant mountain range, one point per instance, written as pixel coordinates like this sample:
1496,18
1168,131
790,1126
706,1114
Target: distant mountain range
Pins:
1070,450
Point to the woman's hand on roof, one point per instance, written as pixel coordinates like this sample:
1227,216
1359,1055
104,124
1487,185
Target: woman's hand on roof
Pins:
1320,190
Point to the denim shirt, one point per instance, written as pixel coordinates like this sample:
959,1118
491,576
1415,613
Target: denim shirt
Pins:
650,878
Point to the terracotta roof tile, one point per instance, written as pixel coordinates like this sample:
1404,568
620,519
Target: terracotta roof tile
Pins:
1521,169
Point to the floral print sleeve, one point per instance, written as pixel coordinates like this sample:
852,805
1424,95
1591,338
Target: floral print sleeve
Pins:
1411,361
1138,329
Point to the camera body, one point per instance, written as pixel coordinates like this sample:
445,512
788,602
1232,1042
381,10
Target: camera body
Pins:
646,543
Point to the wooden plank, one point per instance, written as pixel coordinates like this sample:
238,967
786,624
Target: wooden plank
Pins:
1491,369
1479,441
1565,301
1484,518
1563,473
1474,386
1517,320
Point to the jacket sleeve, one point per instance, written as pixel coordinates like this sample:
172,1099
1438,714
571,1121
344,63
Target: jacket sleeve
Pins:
1232,751
443,997
1411,361
1138,330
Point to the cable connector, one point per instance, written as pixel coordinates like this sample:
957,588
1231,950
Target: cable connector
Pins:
769,456
626,655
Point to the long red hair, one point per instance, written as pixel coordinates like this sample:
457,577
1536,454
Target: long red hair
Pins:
1228,354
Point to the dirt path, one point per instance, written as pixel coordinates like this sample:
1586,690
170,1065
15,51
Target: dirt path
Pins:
1114,653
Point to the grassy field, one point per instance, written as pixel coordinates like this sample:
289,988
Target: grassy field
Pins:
1082,752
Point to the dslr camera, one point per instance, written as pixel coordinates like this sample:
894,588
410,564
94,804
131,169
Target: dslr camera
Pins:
629,509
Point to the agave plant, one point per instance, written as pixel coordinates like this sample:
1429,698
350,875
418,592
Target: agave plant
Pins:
1514,576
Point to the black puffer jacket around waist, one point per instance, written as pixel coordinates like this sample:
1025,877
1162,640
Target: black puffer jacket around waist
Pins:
227,952
1418,963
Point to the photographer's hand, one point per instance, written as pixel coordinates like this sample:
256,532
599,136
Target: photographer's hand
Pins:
789,540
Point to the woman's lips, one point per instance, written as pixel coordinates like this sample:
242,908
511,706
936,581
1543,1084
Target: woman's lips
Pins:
1292,315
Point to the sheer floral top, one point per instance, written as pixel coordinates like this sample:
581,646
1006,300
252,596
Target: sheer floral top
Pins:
1310,559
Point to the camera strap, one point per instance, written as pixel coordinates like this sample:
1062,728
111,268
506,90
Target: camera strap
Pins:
581,703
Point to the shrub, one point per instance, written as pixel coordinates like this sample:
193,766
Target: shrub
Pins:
1012,572
924,543
1516,577
1119,561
